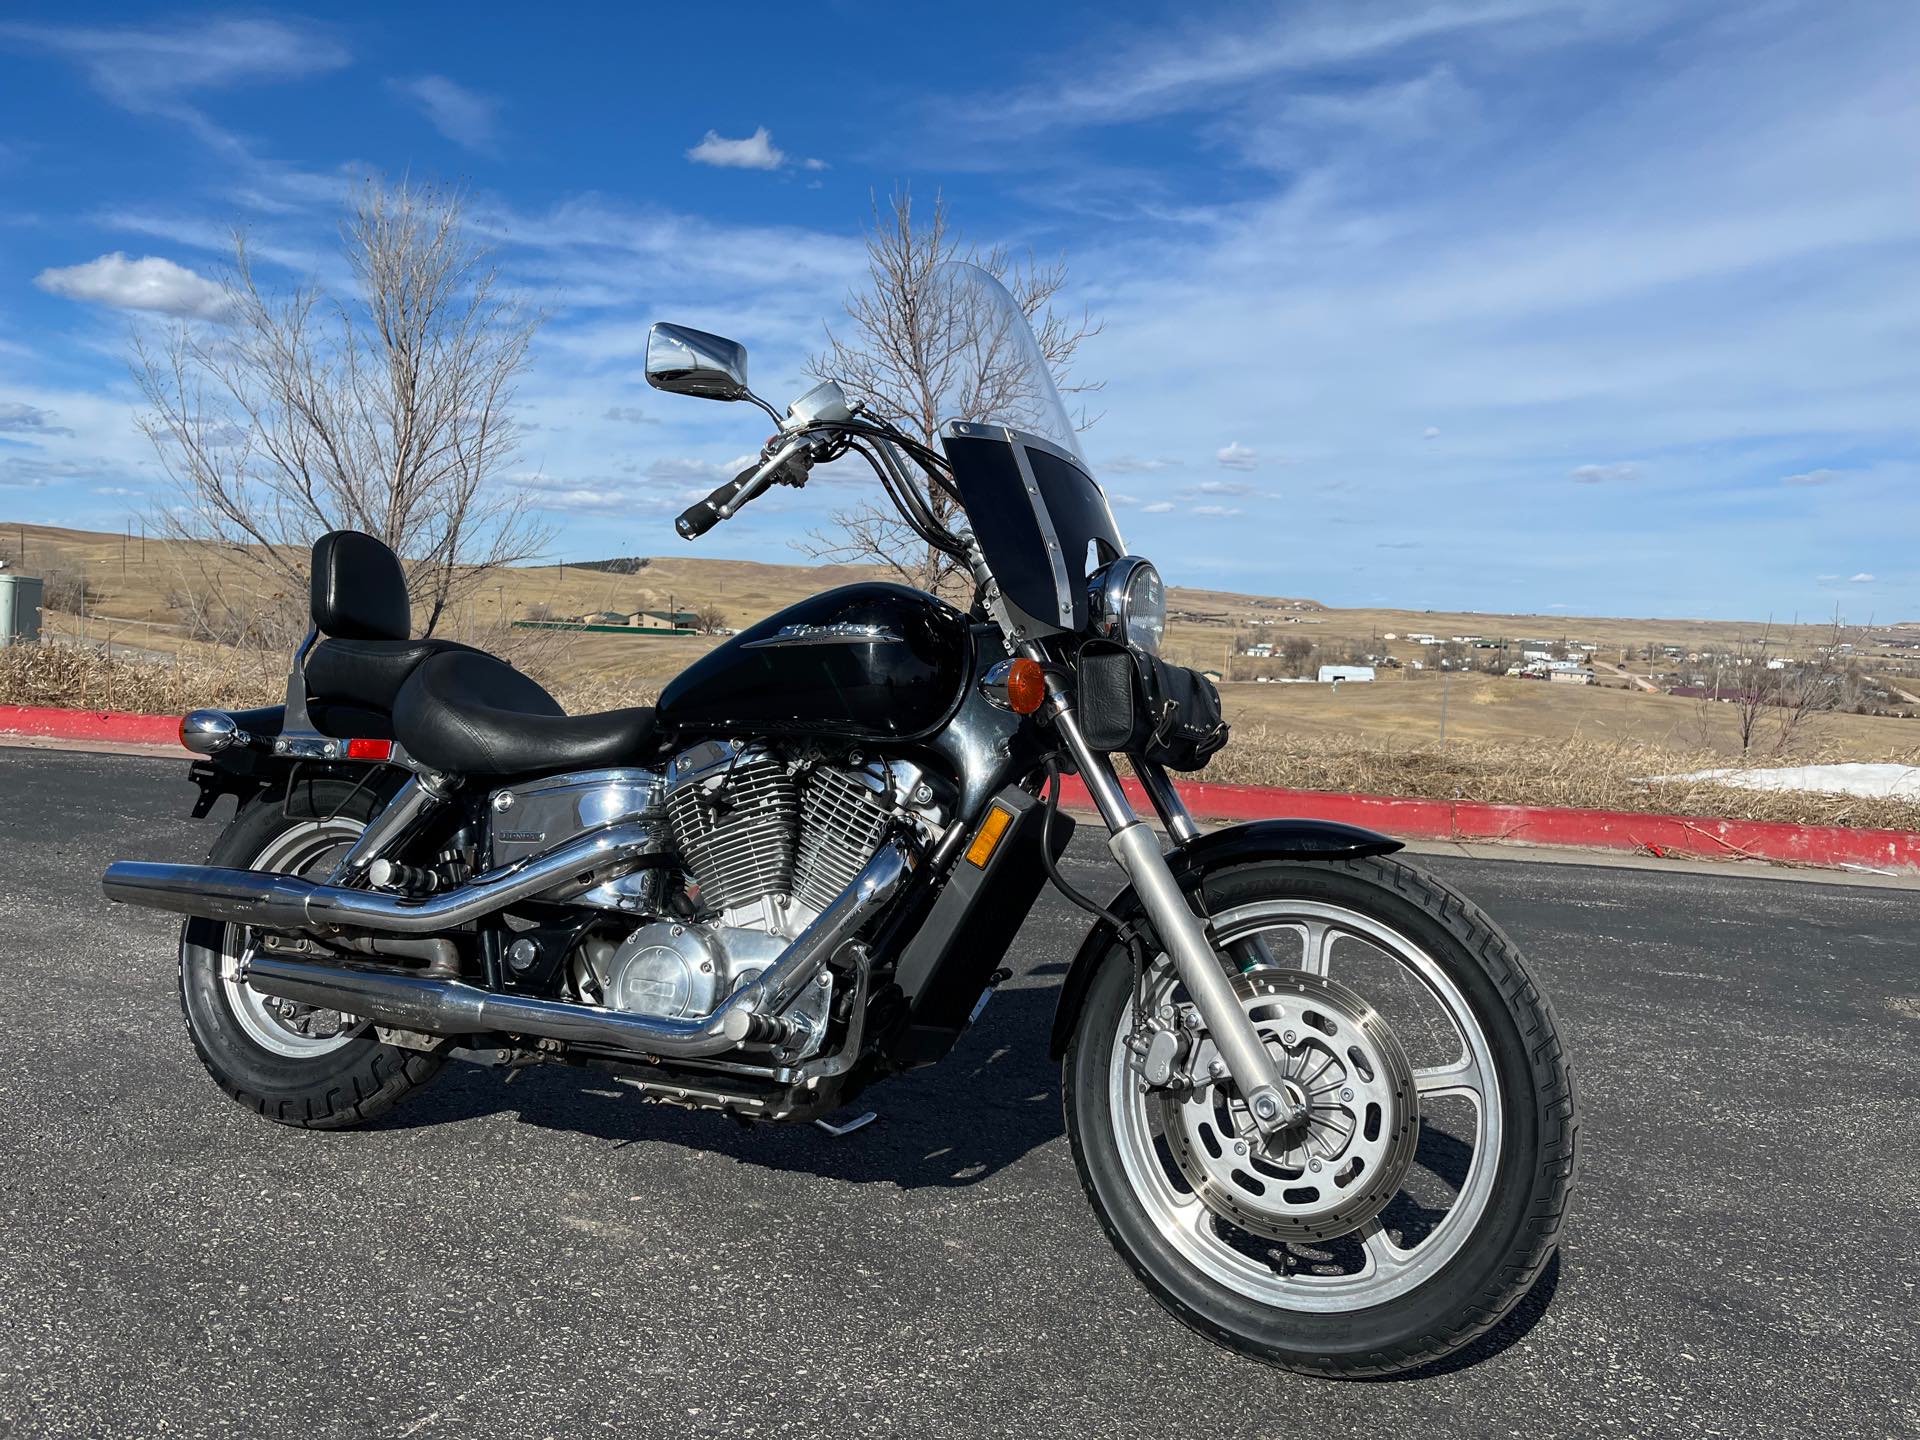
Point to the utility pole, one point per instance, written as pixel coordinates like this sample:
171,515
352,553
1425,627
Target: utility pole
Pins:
1446,681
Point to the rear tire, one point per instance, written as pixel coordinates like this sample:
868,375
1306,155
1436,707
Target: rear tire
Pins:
314,1081
1258,1296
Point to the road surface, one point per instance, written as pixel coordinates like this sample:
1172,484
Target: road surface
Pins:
551,1258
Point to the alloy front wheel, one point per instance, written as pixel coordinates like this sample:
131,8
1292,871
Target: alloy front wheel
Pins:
1417,1191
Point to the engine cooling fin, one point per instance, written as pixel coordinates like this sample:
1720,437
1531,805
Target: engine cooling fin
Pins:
735,827
843,823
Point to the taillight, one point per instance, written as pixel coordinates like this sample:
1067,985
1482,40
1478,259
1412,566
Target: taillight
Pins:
369,749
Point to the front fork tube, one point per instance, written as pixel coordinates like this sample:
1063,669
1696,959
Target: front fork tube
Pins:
1250,953
1183,933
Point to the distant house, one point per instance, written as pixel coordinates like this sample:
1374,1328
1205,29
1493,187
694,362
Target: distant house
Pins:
1570,677
1333,674
662,620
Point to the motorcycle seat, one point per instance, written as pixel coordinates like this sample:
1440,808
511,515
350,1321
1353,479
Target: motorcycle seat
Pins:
369,673
466,712
358,601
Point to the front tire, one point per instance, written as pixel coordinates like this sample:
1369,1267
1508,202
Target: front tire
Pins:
1348,969
313,1069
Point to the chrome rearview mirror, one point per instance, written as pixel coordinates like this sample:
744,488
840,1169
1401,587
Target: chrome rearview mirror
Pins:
692,362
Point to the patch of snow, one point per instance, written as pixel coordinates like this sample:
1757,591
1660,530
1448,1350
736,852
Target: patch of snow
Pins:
1849,778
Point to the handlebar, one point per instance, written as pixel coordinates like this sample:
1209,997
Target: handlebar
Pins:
728,500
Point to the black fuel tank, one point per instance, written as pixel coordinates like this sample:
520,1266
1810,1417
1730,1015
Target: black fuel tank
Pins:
869,662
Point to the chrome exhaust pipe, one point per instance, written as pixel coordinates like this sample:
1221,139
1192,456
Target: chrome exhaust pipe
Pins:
286,902
452,1007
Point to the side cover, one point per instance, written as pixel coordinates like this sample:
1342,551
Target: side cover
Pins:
1191,864
966,934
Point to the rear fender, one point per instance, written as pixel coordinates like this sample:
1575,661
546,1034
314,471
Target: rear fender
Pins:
1191,864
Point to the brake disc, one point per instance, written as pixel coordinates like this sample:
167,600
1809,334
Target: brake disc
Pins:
1356,1122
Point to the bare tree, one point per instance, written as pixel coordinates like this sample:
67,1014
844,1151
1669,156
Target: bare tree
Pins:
919,359
711,619
388,411
1775,699
1296,650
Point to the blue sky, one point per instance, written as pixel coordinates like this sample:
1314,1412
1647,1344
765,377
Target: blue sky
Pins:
1499,304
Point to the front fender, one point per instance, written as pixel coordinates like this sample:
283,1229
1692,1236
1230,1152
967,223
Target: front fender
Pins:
1191,863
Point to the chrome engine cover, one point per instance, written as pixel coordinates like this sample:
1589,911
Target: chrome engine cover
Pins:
683,971
527,820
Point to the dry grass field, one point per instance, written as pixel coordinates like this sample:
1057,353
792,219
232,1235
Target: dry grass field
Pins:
1504,739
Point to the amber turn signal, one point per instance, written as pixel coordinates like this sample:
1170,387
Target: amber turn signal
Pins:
992,830
1026,686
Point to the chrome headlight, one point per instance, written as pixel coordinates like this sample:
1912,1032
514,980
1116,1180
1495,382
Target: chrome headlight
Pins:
1129,603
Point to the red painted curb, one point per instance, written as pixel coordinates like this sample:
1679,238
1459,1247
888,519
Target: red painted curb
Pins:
1690,837
1831,846
118,726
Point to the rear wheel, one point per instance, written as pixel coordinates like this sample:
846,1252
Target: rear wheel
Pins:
294,1064
1418,1192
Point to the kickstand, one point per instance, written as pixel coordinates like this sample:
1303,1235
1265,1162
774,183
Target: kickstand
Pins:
858,1122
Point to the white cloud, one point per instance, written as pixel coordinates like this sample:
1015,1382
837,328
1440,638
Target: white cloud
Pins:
1211,61
626,414
1604,474
1863,578
687,467
1432,432
1134,465
19,418
756,152
151,71
462,115
28,473
149,283
1216,510
1235,456
812,163
1814,477
1223,487
1159,507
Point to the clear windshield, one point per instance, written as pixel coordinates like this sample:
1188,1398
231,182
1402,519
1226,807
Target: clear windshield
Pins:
982,361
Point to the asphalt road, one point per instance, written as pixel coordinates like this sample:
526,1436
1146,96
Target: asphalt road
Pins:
552,1258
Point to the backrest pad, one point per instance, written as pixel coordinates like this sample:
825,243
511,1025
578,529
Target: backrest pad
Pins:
359,589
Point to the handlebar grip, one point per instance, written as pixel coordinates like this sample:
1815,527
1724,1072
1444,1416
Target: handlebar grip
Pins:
696,520
703,515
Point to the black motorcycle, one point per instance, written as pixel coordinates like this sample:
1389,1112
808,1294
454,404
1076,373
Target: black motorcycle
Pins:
1314,1097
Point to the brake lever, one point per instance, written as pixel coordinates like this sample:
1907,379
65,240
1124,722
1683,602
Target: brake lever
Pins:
763,477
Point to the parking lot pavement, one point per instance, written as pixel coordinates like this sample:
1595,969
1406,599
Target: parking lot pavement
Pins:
552,1258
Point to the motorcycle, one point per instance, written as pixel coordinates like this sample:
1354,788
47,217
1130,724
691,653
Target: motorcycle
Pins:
1315,1099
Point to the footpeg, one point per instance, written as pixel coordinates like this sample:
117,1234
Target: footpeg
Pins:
745,1027
391,875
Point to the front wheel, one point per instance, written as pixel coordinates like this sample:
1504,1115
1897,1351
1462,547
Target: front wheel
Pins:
1418,1191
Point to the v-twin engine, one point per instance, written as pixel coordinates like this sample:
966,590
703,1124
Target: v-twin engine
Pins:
771,840
767,840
